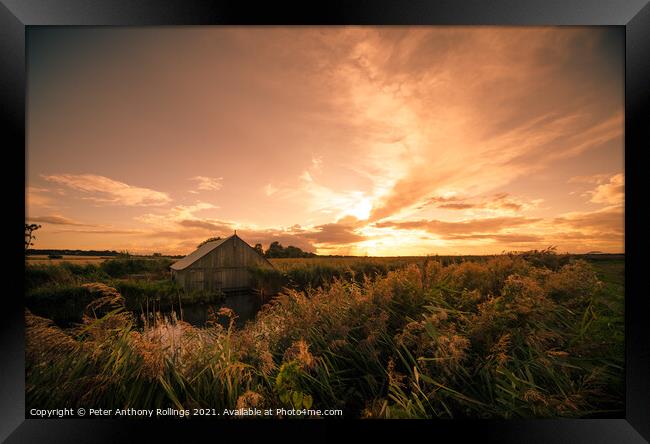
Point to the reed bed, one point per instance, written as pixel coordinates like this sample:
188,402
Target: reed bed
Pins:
504,337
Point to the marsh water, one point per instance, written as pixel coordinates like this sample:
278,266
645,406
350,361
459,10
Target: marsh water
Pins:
245,306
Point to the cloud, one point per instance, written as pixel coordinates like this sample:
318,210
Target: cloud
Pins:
611,193
208,183
103,231
498,161
521,108
326,234
609,219
39,197
183,228
206,225
448,230
182,223
55,220
499,201
324,199
338,233
592,179
283,236
504,238
503,202
317,162
107,190
458,206
170,217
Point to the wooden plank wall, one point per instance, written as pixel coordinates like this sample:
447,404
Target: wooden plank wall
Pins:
225,267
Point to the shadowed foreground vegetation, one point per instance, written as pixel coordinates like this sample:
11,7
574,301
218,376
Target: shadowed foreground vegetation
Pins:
60,293
512,336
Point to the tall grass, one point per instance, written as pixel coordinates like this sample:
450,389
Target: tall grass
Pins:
68,273
64,303
319,272
499,338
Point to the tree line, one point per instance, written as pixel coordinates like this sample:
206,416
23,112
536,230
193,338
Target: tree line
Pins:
277,250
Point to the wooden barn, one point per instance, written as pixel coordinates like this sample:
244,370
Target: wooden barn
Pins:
219,265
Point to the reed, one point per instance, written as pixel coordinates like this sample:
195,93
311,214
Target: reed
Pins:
502,337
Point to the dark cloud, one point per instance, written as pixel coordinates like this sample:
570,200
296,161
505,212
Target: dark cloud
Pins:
334,233
338,233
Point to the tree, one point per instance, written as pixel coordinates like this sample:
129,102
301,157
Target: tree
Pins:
258,248
211,239
292,251
29,234
275,250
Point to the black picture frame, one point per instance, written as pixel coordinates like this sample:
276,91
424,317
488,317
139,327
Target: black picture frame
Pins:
633,15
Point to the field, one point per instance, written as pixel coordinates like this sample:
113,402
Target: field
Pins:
43,259
511,336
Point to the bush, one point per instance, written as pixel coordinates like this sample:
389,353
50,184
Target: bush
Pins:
574,283
43,275
124,266
64,304
65,273
547,258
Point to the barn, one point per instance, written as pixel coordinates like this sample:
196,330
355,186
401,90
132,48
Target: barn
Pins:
219,265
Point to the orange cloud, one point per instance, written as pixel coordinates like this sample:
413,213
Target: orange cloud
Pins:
208,183
499,201
590,179
55,220
611,193
338,233
105,190
449,229
609,220
216,226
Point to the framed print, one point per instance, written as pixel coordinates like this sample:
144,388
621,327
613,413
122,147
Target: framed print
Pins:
367,216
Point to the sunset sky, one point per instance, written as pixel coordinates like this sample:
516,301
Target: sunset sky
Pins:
339,140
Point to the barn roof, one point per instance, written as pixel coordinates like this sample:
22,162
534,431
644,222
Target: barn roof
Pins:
198,254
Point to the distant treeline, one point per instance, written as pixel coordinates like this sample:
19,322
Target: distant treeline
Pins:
74,252
108,253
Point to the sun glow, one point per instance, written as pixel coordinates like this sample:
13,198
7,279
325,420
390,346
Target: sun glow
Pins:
359,209
392,242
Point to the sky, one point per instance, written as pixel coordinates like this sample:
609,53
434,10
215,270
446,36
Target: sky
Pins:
379,141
